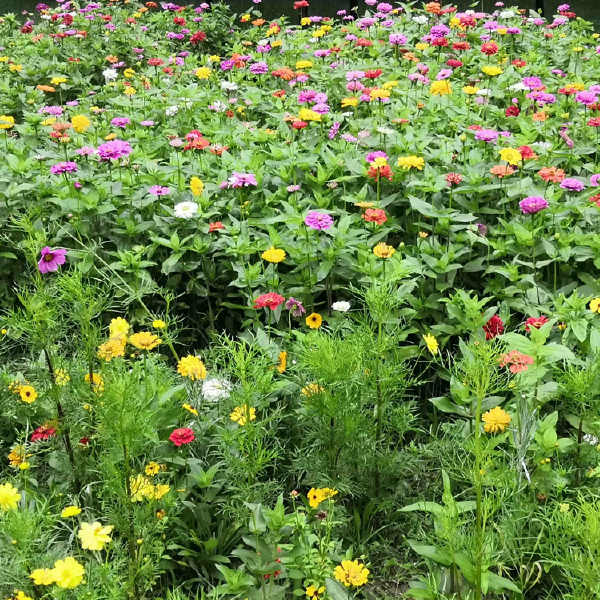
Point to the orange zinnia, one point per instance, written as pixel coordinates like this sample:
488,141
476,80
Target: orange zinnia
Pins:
501,171
552,174
45,88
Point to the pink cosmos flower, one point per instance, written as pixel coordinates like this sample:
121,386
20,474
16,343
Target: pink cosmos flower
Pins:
51,259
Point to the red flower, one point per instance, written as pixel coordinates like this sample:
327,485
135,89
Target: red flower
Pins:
385,172
199,36
453,179
214,226
493,327
279,94
299,124
454,64
230,113
461,46
363,43
475,127
270,300
44,432
536,322
179,21
489,48
26,29
440,42
375,215
182,436
156,62
518,62
68,19
567,91
468,21
195,141
300,4
512,111
373,73
84,441
168,70
516,361
527,152
594,122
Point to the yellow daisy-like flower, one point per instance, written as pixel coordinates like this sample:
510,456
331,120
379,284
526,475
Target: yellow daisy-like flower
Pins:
152,468
421,46
595,305
214,58
6,121
432,343
470,89
9,496
314,321
158,324
15,68
160,490
240,414
388,85
191,409
382,250
97,382
315,497
45,123
311,389
93,536
378,94
58,80
273,255
496,419
144,340
80,123
27,393
349,102
140,487
196,186
129,91
18,455
192,367
511,156
282,365
68,573
70,511
20,595
364,204
111,349
313,592
351,572
304,64
61,377
128,73
492,71
411,162
440,88
118,328
203,73
306,114
42,577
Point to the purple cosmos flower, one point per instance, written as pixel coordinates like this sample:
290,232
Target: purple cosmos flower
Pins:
259,68
238,180
120,122
318,221
595,180
571,184
159,190
532,205
63,167
51,259
114,149
295,306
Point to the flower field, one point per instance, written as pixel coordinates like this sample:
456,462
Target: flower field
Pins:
299,308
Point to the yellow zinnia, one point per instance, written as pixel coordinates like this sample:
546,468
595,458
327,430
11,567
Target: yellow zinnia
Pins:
349,102
306,114
192,367
492,71
273,255
440,88
410,162
145,340
80,123
470,89
511,156
382,250
203,73
6,121
196,186
496,419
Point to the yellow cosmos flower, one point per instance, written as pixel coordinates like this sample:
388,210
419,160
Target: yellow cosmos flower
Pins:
118,329
93,536
70,511
349,102
203,73
240,414
411,162
61,377
496,419
351,572
196,186
152,468
42,577
9,496
314,321
97,382
382,250
273,255
27,393
191,409
306,114
144,340
492,71
68,573
191,367
431,342
440,88
511,156
282,365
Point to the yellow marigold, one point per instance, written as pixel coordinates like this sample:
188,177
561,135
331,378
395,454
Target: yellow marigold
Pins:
93,536
80,123
496,419
349,102
9,496
192,367
6,121
27,393
382,250
440,88
492,71
306,114
70,511
314,321
68,573
311,389
97,382
431,342
42,577
240,414
410,162
203,73
282,365
273,255
17,456
111,349
511,156
144,340
351,572
191,409
196,186
595,305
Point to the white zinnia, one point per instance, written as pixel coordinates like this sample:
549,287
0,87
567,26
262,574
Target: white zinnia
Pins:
172,110
110,74
214,389
341,306
420,19
507,14
230,86
185,210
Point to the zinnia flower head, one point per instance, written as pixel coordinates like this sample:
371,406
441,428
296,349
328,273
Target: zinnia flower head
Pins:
182,436
516,361
572,184
191,367
535,322
493,327
318,221
270,300
495,420
532,205
273,255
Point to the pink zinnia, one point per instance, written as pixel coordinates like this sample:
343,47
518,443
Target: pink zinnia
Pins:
516,361
182,436
51,259
318,221
270,300
532,205
159,190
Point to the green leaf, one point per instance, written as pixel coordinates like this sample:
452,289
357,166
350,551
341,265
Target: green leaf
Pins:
498,583
446,405
432,552
430,507
335,590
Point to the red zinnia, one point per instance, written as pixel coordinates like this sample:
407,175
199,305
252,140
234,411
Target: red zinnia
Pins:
461,46
512,111
518,62
179,21
516,361
199,36
594,122
44,432
454,64
453,179
440,42
300,4
536,322
182,436
215,226
299,124
363,43
373,73
375,215
279,94
156,62
527,152
489,48
270,300
493,327
384,171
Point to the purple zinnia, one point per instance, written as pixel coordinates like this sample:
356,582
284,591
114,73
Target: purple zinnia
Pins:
595,180
120,122
334,130
259,68
318,221
377,154
159,190
63,167
51,259
586,98
532,205
114,149
295,306
238,180
532,82
486,135
397,39
571,184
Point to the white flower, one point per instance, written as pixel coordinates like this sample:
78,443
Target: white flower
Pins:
263,43
172,110
543,145
46,17
341,306
385,131
507,14
110,74
420,19
185,210
590,439
483,92
518,87
215,389
230,86
469,12
218,106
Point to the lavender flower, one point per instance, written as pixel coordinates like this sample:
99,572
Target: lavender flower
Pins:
51,259
571,184
238,180
532,205
120,122
334,130
113,150
159,190
295,306
63,167
259,68
318,221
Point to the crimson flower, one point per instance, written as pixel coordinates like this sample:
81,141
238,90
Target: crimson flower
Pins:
182,436
373,73
199,36
512,111
536,322
489,48
43,433
493,327
453,179
270,300
385,172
